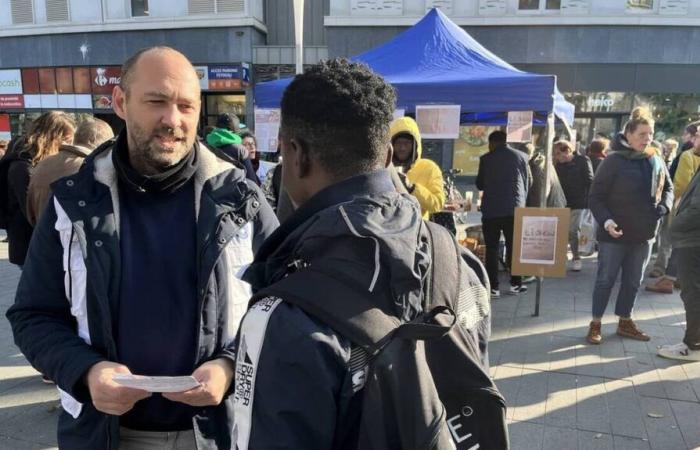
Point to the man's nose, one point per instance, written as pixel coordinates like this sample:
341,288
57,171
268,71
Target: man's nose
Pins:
172,116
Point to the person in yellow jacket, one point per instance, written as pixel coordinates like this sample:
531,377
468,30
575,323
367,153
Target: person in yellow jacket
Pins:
687,166
423,178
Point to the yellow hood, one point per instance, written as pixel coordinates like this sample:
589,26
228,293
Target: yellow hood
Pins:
407,125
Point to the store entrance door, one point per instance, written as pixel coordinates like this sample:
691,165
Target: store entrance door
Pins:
590,126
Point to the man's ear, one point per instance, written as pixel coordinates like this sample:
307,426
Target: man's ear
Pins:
119,102
389,155
302,156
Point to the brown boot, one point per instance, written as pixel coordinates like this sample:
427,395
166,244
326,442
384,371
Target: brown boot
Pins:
664,285
627,328
677,284
594,336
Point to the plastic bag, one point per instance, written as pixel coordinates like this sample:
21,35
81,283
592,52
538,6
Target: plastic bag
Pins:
587,233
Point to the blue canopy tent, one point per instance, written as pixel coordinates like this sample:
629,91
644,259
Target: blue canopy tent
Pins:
436,61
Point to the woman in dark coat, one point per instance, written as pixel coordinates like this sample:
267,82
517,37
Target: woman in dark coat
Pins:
48,132
631,191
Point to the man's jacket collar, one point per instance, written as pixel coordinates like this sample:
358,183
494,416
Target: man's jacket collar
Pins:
342,192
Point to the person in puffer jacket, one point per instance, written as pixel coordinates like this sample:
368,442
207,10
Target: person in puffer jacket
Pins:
231,145
630,193
423,178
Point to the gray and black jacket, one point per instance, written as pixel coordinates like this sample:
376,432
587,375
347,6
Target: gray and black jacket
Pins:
64,317
295,382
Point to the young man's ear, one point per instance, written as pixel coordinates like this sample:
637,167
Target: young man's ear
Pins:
389,155
302,156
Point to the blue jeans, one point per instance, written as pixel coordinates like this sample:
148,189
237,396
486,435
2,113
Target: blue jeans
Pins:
612,256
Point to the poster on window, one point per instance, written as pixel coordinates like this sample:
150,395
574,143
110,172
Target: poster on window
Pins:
473,142
519,127
267,128
438,121
539,241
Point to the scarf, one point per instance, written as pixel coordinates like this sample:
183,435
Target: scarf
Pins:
622,148
167,181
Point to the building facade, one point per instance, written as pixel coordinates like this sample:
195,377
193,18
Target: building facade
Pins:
66,54
608,55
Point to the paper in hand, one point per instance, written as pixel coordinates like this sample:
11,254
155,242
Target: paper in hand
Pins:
156,384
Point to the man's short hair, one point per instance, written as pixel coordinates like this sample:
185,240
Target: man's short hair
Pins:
598,146
229,121
92,132
692,128
498,137
564,145
340,111
130,64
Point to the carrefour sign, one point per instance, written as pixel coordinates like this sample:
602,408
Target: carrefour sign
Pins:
10,81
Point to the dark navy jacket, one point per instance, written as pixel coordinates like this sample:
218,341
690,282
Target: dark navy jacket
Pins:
621,191
64,314
505,178
294,381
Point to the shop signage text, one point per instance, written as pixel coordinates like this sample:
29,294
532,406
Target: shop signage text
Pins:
11,101
10,81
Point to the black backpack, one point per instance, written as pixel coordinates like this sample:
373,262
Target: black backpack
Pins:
424,387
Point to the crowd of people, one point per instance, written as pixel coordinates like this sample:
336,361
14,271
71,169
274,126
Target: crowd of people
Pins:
638,191
160,252
155,252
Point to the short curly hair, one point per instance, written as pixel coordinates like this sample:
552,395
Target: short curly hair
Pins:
341,111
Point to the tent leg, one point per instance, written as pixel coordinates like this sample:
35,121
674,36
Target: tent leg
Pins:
545,193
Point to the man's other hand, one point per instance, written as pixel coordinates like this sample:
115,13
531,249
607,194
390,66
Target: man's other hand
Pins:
108,396
214,377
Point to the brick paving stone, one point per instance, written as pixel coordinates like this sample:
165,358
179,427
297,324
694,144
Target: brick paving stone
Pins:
625,412
556,438
526,435
588,440
531,400
592,413
687,415
663,431
627,443
561,400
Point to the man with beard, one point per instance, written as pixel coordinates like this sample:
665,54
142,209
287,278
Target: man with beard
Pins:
134,268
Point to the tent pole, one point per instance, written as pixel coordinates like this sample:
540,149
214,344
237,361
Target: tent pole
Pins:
549,136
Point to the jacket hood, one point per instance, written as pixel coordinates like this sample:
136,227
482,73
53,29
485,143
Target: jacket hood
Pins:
406,125
220,137
375,240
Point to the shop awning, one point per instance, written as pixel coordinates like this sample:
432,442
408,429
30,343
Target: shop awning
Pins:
436,61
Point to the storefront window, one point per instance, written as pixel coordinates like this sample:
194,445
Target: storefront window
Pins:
224,103
640,5
533,5
672,112
529,4
139,8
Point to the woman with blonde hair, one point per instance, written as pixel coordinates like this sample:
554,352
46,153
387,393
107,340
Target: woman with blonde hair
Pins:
47,134
631,191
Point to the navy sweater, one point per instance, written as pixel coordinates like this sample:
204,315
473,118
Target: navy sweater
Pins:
157,324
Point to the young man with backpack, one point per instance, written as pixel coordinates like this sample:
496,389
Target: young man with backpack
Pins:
368,326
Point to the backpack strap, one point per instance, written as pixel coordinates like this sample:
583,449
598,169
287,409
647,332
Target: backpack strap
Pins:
339,304
445,283
352,311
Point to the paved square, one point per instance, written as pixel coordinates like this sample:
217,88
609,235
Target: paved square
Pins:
562,393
